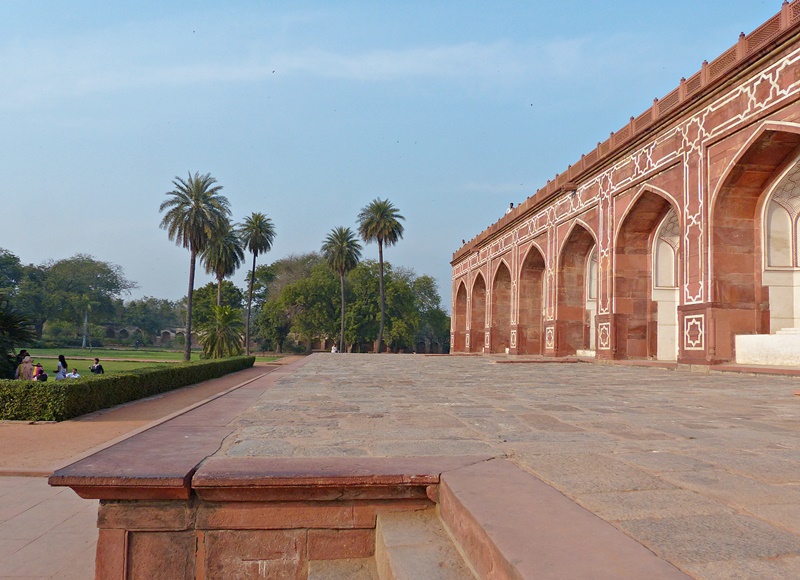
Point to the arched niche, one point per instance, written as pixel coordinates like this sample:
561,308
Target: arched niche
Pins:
460,319
665,295
592,284
531,295
781,272
574,320
477,319
737,261
500,338
636,330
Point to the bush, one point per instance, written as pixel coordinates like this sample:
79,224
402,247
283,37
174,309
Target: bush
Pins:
60,400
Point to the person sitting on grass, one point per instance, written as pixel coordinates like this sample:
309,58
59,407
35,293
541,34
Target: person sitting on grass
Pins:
26,369
74,374
97,368
39,374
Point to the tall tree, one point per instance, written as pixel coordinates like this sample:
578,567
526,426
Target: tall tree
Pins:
222,257
196,212
434,327
312,306
205,298
379,221
257,233
275,324
79,286
15,330
32,296
10,270
342,252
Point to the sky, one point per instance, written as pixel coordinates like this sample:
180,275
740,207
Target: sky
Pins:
307,111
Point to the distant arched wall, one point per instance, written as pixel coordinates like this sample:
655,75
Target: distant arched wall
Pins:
477,319
460,319
500,338
531,294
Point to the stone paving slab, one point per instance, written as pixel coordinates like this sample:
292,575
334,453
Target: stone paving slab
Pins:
703,469
51,534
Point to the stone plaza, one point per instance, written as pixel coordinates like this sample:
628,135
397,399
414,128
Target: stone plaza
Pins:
701,469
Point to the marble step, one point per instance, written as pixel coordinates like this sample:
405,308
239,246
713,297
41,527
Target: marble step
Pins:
414,545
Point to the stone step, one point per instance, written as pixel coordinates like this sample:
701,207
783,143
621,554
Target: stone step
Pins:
349,569
414,545
513,525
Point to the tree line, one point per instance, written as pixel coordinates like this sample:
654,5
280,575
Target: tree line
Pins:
292,302
300,300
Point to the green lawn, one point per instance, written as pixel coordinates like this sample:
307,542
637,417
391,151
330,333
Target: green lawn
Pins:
130,358
124,354
107,353
111,366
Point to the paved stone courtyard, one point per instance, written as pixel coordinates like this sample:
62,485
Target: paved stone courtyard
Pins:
702,469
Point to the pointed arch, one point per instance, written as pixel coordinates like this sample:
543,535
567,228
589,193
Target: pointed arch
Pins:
636,314
460,319
573,327
531,297
500,338
780,216
665,293
477,319
736,256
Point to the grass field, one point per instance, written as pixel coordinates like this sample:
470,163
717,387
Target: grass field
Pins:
107,353
80,358
110,366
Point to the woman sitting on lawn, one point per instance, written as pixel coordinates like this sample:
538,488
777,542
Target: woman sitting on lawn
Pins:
26,369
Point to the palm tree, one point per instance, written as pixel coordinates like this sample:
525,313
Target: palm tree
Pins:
195,214
222,336
223,257
380,222
257,234
342,252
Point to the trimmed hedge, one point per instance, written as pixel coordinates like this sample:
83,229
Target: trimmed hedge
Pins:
59,400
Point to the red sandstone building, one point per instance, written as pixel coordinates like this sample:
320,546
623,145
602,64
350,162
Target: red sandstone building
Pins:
676,239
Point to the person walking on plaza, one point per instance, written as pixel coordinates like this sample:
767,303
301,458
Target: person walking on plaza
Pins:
61,370
97,368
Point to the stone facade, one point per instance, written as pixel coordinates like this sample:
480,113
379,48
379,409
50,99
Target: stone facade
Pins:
674,236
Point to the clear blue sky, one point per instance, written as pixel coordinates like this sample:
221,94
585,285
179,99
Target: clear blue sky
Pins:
308,110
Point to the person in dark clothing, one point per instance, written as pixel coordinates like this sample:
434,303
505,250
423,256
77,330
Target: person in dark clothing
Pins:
97,368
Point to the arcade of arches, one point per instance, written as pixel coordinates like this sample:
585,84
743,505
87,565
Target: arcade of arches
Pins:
670,243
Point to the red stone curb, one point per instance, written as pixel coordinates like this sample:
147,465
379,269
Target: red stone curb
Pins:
129,469
510,524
